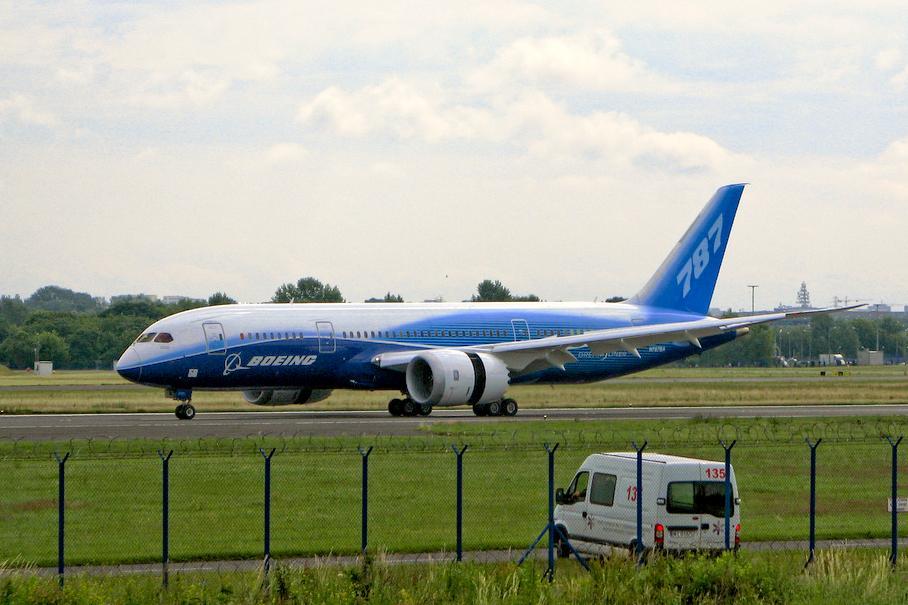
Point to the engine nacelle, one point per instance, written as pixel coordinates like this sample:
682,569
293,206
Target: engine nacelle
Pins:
285,396
446,377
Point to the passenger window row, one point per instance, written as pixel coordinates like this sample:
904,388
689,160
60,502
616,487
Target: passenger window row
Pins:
271,335
486,332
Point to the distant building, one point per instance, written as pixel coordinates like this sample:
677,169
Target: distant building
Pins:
879,308
133,297
173,300
870,358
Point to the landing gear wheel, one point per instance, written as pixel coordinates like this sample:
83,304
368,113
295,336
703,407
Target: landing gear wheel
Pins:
480,409
185,411
425,409
410,407
494,408
509,407
396,407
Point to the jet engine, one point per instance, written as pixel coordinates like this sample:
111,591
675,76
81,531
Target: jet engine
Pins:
285,396
446,377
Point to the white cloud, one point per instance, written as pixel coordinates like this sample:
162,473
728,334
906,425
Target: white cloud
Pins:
285,153
591,60
887,59
23,109
532,121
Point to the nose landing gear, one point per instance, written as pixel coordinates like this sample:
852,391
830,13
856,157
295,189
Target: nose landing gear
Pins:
184,410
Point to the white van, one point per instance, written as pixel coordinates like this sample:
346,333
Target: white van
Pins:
683,504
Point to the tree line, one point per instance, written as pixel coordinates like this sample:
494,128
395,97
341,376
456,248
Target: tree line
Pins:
77,330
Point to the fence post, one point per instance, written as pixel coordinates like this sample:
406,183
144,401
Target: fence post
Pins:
364,453
551,569
639,498
728,494
267,457
459,453
813,496
61,507
165,514
895,497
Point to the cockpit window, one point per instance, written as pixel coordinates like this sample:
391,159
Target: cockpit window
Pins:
146,337
163,337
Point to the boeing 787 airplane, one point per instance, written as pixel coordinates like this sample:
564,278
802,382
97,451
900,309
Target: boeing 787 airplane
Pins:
446,354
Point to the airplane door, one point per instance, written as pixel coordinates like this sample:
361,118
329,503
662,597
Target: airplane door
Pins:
521,329
215,339
326,342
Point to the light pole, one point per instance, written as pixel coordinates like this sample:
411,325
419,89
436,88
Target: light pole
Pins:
753,289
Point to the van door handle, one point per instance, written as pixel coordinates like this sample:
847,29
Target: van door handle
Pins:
583,514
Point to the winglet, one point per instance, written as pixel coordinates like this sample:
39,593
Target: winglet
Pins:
687,278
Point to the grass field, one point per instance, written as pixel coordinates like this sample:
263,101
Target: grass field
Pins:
113,493
853,577
887,384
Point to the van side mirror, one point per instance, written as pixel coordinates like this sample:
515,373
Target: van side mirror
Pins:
559,495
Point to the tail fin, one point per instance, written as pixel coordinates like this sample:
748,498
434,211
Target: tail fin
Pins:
687,277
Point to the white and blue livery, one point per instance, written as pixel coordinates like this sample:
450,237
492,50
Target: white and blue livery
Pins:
445,354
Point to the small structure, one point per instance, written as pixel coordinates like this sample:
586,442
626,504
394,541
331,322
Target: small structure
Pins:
870,358
44,368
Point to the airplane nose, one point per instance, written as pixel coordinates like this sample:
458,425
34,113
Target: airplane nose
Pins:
129,366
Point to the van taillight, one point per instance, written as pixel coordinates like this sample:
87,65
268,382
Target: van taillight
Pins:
659,535
738,534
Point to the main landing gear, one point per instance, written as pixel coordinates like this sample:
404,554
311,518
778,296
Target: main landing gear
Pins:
505,407
408,407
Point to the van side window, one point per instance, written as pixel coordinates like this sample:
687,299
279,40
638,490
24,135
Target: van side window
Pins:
697,498
602,489
577,491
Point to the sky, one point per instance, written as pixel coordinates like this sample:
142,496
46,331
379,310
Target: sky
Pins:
561,147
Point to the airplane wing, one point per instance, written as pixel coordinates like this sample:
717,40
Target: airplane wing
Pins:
554,351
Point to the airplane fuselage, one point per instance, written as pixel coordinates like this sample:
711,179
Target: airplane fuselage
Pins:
333,346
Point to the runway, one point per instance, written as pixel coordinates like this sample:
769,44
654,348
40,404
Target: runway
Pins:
328,423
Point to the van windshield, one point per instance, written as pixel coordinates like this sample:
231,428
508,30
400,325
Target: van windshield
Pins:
697,498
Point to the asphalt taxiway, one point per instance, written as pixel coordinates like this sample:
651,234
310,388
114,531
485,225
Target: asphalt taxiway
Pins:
336,423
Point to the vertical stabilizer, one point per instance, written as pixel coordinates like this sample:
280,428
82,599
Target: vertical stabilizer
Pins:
687,277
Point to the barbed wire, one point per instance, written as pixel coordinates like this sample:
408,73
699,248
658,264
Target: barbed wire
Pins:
773,432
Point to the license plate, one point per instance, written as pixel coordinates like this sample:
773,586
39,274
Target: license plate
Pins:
681,533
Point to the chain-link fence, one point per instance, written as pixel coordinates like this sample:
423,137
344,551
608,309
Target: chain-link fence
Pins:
239,502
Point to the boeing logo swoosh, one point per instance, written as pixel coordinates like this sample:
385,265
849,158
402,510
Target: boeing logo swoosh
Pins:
233,363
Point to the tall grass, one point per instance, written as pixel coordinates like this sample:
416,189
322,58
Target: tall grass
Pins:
836,577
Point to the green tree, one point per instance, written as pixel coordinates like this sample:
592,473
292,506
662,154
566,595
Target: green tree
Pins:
52,348
388,298
55,298
491,291
18,349
307,290
13,310
220,298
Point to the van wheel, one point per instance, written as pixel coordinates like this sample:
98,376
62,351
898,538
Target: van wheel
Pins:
562,549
